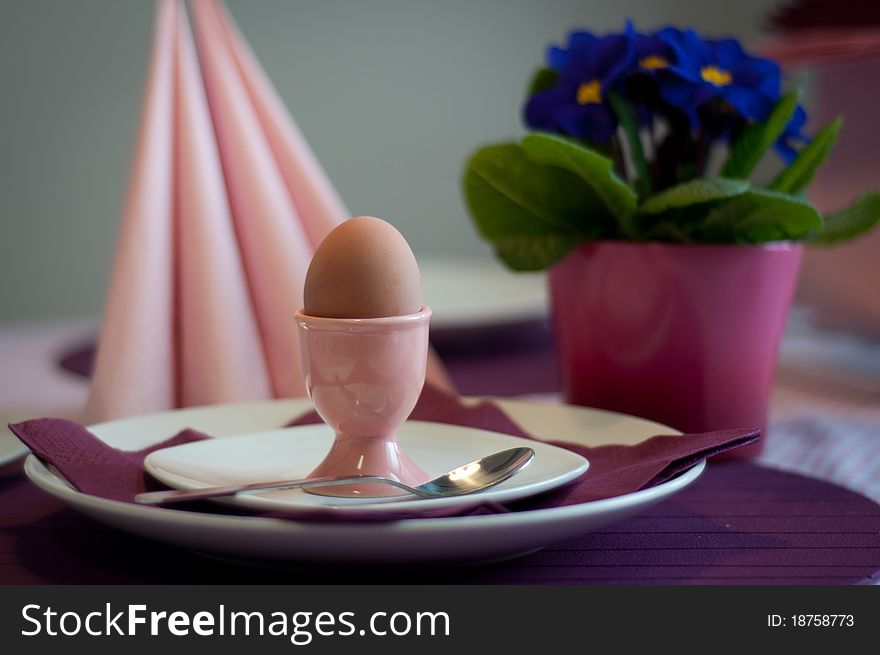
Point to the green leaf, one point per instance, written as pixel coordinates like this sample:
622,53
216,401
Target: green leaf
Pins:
670,230
543,79
534,253
594,169
858,218
692,193
801,171
757,138
759,216
509,195
631,128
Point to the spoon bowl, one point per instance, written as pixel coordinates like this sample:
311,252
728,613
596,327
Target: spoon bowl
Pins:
469,478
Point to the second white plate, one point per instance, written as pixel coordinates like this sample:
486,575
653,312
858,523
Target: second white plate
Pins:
469,293
295,452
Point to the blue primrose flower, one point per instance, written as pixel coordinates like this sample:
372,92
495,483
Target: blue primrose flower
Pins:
703,70
652,54
589,68
793,134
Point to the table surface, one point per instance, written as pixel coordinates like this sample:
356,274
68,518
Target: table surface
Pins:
778,527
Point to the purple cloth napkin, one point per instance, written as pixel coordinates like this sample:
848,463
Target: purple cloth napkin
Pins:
97,469
88,463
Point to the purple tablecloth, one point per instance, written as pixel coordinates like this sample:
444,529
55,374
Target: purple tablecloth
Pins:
739,523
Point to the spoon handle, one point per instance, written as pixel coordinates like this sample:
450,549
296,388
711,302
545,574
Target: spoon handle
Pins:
180,495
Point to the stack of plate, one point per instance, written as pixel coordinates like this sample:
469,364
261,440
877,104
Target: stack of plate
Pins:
249,446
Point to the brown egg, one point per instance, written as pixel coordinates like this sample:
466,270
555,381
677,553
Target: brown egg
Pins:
363,269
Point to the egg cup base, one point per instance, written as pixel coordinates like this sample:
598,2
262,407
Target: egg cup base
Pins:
364,377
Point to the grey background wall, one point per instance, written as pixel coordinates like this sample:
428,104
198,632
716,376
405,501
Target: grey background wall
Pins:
392,94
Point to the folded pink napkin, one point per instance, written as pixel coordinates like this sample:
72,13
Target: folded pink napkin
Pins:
226,204
97,469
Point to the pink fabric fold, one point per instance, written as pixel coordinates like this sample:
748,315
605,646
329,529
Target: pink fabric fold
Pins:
224,209
273,243
134,369
221,354
316,200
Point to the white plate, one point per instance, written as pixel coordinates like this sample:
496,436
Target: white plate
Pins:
295,452
453,540
479,293
12,451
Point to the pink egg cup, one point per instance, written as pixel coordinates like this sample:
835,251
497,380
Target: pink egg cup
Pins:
364,376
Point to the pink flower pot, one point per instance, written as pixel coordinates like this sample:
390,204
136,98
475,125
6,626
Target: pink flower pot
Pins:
682,334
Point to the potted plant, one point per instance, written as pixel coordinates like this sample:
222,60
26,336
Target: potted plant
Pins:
671,270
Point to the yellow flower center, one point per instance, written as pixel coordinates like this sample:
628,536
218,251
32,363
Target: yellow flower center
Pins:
653,62
590,93
716,76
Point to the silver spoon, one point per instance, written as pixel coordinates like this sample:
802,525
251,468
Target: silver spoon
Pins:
467,479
